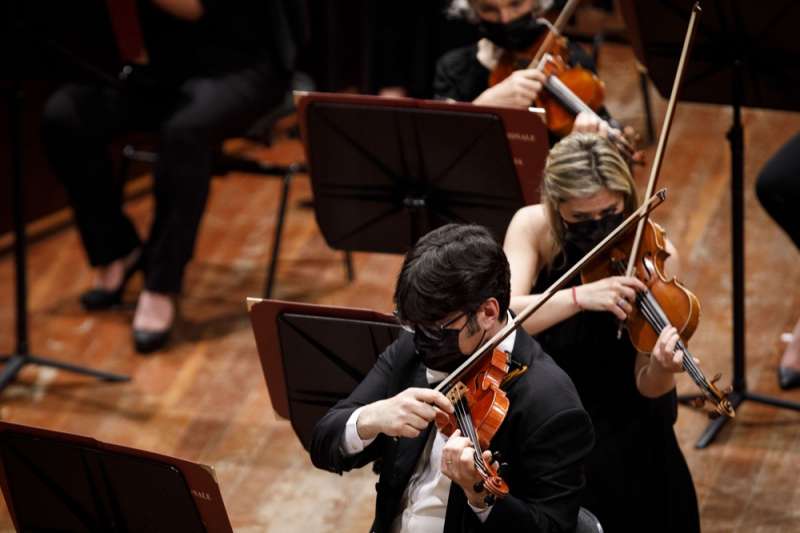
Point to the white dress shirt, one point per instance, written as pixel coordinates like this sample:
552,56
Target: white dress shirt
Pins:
425,499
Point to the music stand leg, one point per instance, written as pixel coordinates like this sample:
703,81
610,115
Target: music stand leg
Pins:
739,393
648,108
16,361
774,402
276,240
716,425
348,266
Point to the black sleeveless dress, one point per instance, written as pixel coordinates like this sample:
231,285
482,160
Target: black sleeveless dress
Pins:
637,477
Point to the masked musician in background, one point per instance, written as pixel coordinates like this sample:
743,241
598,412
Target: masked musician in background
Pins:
206,70
507,26
453,293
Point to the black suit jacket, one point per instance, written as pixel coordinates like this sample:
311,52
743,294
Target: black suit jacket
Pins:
544,438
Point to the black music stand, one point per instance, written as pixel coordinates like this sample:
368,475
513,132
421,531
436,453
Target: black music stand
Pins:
21,356
744,55
55,481
339,344
386,171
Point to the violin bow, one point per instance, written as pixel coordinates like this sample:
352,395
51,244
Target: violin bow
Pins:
643,210
554,30
662,140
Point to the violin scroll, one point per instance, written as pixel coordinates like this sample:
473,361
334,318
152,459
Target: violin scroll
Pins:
722,405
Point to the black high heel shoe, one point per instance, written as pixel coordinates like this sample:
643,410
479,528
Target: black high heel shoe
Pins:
98,299
148,341
788,378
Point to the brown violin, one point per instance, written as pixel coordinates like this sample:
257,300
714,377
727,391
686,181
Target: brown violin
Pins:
666,302
480,407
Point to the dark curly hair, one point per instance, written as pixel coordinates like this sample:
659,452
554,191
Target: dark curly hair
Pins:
453,268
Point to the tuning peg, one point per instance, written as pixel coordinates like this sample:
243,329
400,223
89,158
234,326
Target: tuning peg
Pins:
716,378
478,487
489,499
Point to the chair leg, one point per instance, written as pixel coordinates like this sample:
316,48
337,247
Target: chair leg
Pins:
276,240
648,111
348,266
597,44
125,165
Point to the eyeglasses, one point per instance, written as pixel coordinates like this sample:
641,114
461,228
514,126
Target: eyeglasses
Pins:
434,332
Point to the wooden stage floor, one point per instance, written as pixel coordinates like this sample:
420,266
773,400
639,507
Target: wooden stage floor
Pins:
205,399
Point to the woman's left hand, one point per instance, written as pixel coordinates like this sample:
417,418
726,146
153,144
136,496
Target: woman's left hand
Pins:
665,355
590,123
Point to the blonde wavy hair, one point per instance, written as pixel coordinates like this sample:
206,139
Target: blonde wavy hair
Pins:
581,165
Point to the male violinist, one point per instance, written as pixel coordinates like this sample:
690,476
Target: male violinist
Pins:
453,292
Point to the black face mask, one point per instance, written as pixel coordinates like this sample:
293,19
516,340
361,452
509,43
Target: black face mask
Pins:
516,36
585,235
444,355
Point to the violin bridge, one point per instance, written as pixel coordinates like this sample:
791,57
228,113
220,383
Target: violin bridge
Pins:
456,393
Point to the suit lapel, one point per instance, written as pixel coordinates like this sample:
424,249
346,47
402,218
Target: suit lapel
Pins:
523,349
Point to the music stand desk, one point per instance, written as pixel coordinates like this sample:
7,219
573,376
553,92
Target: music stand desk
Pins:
385,171
55,481
315,355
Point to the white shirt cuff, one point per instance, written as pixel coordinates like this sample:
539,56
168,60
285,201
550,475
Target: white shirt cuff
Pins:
481,512
352,443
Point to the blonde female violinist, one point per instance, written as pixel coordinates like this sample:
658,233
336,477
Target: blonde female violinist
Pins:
637,477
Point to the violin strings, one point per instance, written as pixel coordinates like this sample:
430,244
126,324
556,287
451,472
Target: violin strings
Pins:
473,436
575,105
658,320
567,97
468,428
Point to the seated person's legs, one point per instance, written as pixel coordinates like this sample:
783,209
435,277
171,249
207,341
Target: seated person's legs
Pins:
211,110
778,190
78,123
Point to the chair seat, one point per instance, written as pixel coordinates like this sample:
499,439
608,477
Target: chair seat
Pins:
587,522
262,128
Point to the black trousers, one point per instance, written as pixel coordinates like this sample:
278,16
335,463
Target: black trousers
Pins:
778,188
192,120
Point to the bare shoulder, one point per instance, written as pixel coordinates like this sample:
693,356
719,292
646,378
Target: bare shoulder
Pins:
532,224
530,219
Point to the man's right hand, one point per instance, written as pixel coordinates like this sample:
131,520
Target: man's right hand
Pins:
518,90
403,415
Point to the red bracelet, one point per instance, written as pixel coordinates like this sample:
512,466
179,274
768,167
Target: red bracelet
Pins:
575,299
